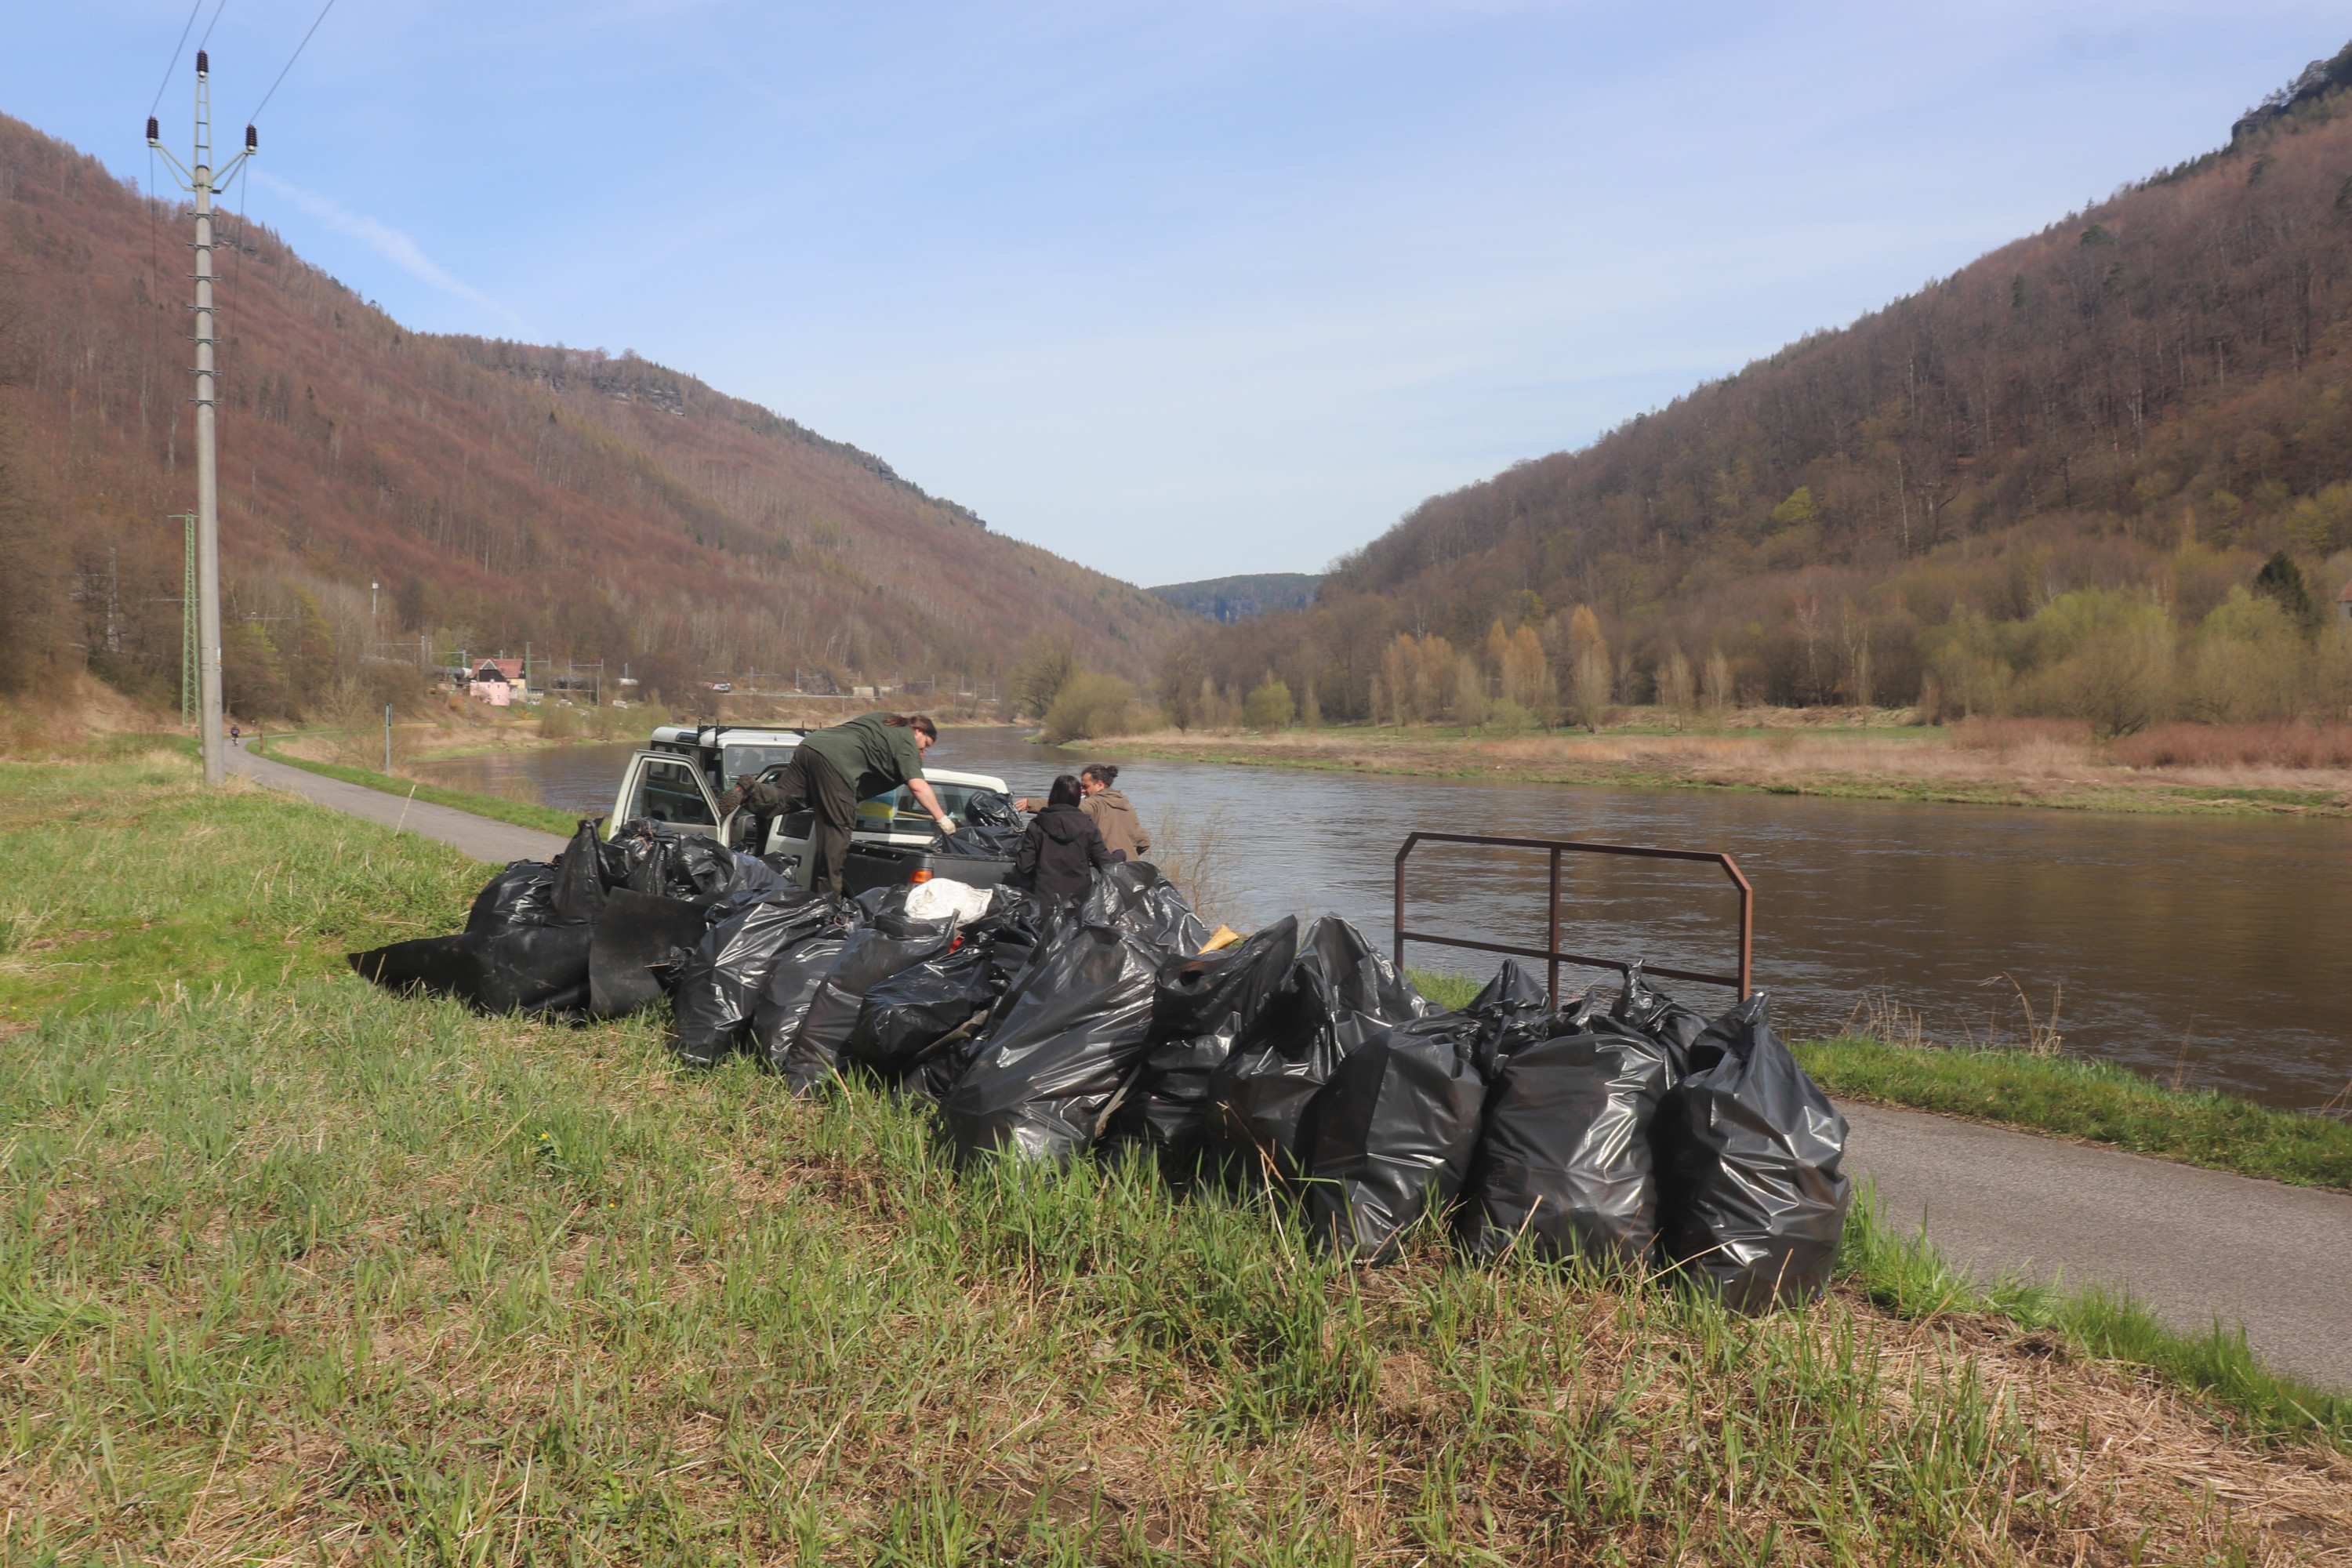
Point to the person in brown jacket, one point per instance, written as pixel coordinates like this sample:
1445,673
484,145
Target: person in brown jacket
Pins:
1112,813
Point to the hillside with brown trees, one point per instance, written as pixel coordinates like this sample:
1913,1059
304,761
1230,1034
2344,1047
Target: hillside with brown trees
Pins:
2103,472
594,508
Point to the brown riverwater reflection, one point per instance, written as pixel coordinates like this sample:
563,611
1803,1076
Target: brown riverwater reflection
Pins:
2229,934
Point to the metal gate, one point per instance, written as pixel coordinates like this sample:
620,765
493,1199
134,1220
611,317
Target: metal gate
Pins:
1550,952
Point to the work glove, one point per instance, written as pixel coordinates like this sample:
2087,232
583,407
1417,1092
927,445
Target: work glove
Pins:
946,824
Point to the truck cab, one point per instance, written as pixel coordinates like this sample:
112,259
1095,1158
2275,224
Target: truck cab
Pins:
680,777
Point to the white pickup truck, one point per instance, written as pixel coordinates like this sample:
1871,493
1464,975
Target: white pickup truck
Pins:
680,777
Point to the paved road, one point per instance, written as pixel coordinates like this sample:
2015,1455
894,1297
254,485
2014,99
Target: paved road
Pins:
484,840
2193,1244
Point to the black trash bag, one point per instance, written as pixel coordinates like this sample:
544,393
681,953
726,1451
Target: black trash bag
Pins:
580,876
521,895
791,985
1508,1005
719,988
1642,1005
1340,994
1564,1165
1394,1127
1062,1047
748,874
702,868
974,841
902,1018
1201,1004
1754,1199
1131,895
524,968
631,953
893,943
988,808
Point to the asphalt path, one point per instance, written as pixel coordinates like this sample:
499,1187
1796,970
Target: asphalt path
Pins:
2195,1246
479,837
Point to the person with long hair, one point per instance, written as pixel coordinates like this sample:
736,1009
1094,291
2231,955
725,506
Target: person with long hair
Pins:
1114,815
1062,849
832,770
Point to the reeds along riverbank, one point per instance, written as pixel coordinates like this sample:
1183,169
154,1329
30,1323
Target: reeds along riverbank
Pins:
291,1266
2182,768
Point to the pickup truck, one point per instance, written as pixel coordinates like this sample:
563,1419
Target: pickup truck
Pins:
682,773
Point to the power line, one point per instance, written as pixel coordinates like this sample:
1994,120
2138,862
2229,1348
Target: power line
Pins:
290,64
175,63
211,25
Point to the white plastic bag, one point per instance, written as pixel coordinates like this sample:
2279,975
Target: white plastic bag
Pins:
943,895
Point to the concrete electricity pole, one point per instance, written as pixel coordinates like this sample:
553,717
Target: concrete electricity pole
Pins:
199,178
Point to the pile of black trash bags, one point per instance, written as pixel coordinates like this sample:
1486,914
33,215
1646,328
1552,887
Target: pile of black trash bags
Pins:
1623,1130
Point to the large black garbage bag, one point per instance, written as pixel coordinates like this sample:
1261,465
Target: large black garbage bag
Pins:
1754,1196
1340,993
1201,1004
791,985
579,894
526,968
748,874
904,1017
521,895
1507,1005
649,856
1642,1005
1063,1043
1395,1129
719,988
892,943
629,953
1564,1165
1134,898
975,842
988,808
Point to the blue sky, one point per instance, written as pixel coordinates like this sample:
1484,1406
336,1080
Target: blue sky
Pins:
1179,289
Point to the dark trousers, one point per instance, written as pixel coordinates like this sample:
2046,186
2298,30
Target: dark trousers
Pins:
810,783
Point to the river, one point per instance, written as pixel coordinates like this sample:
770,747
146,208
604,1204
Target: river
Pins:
2209,949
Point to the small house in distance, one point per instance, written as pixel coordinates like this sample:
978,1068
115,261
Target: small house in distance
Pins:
498,681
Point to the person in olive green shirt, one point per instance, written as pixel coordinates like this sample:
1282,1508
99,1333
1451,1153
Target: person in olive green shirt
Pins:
832,771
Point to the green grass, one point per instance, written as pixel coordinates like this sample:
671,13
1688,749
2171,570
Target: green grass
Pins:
2095,1100
522,814
129,881
293,1268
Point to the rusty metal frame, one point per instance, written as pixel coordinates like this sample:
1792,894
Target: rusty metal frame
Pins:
1550,952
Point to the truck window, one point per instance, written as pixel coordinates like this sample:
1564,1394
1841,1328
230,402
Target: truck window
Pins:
741,760
668,792
910,812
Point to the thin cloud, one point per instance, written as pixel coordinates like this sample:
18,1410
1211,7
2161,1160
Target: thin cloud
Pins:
385,241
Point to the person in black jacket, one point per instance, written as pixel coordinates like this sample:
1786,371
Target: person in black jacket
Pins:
1062,848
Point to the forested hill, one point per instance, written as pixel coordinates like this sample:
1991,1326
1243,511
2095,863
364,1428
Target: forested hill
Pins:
1239,598
2145,401
593,506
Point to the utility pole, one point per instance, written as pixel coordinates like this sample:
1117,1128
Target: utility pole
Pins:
188,659
199,178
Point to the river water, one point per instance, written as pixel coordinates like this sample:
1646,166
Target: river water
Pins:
2218,950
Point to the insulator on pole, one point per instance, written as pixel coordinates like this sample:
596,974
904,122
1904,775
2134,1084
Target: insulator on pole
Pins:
252,140
203,64
154,132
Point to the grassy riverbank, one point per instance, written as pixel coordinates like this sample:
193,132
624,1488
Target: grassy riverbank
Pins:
289,1266
2094,1102
1980,765
521,813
